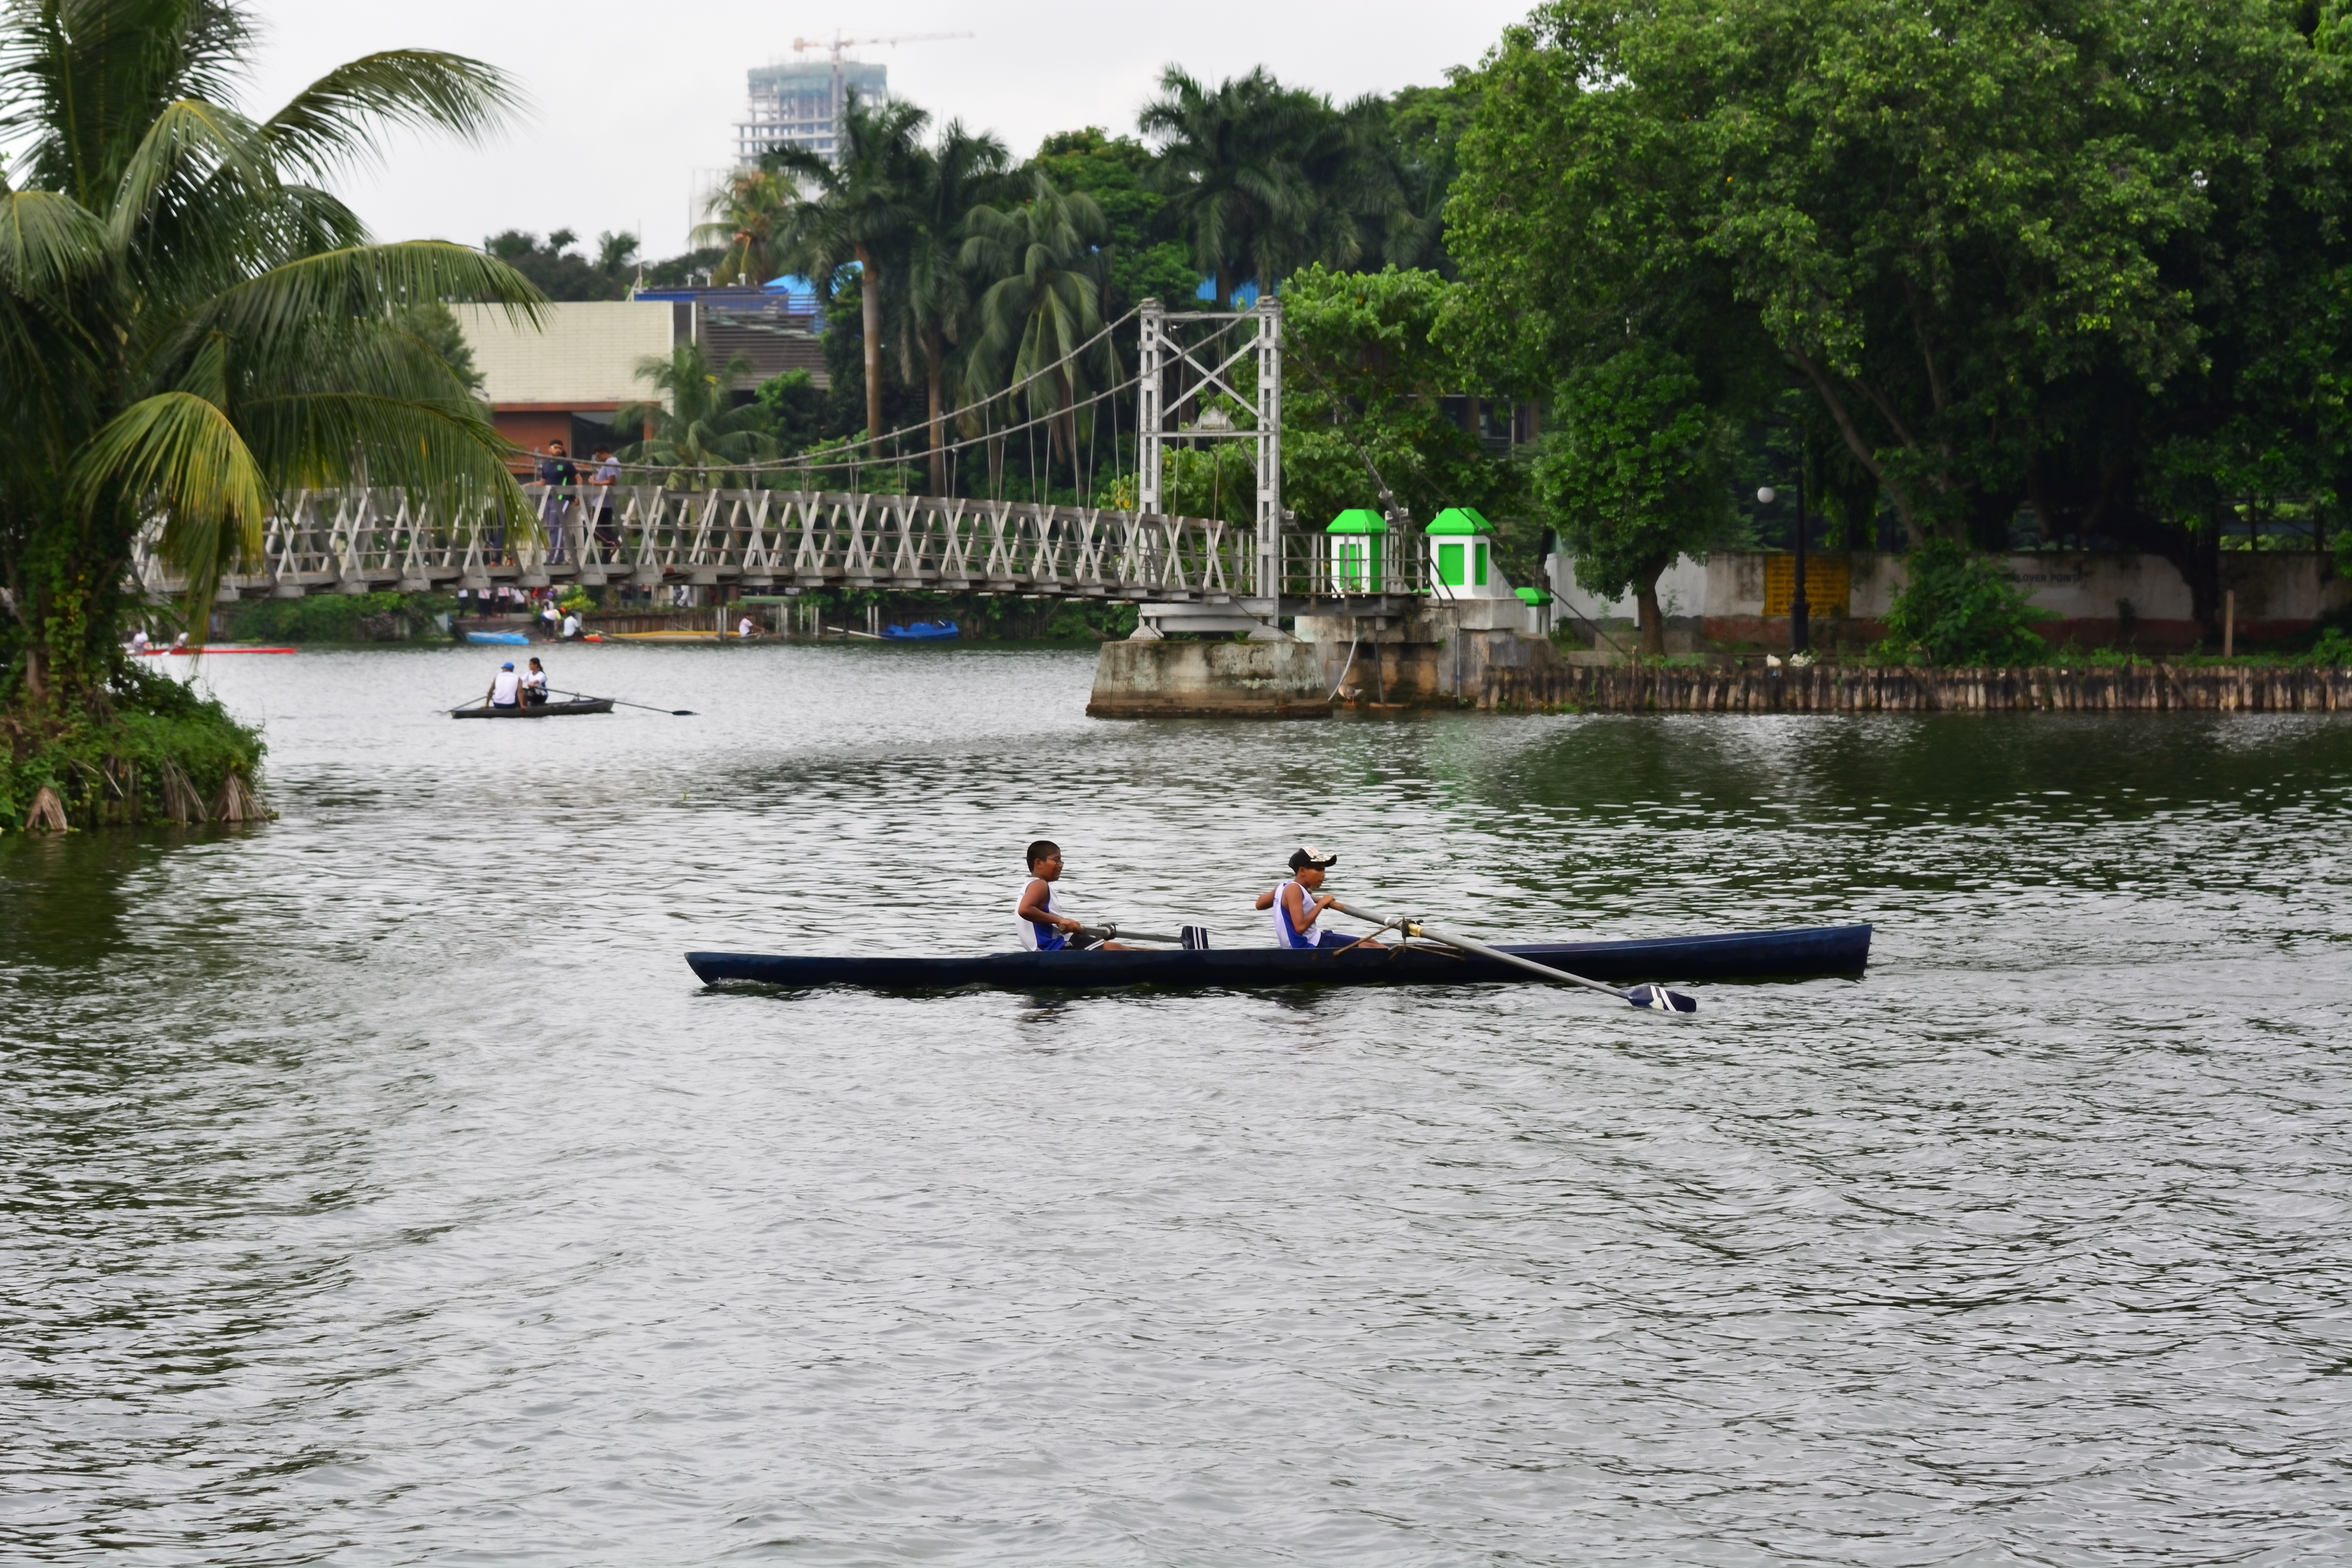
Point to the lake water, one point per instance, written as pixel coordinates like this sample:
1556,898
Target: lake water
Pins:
380,1186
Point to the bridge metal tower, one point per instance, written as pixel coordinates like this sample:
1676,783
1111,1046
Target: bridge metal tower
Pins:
1175,376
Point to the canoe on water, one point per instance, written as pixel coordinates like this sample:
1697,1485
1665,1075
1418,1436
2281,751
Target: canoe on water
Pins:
1809,953
544,710
499,639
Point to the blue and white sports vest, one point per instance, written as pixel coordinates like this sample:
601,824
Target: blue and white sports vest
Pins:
1284,937
1039,938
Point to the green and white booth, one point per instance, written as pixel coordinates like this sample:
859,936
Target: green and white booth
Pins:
1358,549
1461,557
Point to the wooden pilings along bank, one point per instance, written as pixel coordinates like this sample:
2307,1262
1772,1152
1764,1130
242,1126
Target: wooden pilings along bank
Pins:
2141,688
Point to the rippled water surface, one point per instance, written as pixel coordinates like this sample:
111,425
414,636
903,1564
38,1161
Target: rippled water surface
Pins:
380,1186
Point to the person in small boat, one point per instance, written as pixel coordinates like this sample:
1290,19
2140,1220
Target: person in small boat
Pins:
506,688
1046,927
534,686
1297,903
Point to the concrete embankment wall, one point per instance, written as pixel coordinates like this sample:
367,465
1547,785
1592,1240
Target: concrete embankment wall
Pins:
2140,688
1209,680
2093,600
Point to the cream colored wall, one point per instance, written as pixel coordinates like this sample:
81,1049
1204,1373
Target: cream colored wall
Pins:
581,355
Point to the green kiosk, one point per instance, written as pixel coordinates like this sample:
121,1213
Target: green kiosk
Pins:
1460,554
1357,552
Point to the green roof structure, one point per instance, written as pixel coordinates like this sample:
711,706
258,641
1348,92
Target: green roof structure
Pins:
1534,596
1459,520
1359,520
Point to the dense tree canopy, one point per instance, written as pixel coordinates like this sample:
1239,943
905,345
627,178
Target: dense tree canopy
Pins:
2082,260
191,324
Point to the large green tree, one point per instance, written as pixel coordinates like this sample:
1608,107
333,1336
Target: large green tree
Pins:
862,208
2084,259
953,177
1232,164
1365,381
1637,473
1041,265
191,324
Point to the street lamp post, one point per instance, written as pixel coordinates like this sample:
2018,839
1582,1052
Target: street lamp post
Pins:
1801,637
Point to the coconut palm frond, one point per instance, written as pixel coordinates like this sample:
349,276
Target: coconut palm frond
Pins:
47,238
183,454
330,123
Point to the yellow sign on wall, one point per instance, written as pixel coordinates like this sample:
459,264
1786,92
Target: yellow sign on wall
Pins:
1825,584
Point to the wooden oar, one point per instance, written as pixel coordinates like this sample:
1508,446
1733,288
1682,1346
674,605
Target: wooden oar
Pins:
673,712
1650,998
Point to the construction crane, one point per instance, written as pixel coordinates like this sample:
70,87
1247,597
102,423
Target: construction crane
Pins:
835,44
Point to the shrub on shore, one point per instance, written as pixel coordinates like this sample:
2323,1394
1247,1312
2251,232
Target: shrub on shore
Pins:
1958,607
153,750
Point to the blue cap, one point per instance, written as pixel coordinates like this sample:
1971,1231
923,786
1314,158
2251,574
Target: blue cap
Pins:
508,665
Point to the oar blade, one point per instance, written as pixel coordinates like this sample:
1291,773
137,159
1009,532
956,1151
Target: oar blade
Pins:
1658,999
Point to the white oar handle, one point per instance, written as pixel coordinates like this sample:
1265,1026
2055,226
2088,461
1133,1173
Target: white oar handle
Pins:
1544,971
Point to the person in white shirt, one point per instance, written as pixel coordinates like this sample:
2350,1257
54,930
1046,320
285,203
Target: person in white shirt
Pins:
744,628
1046,927
570,625
139,640
534,686
1297,904
506,688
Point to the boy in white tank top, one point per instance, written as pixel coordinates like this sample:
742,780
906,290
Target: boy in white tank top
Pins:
1296,904
1044,926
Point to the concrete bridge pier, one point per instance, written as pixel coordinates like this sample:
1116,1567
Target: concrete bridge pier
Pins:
1395,653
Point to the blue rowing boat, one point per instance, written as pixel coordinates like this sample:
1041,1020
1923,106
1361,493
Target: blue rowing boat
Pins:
921,631
1807,953
503,639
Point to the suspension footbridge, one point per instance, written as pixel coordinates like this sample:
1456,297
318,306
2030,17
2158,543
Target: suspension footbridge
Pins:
1200,573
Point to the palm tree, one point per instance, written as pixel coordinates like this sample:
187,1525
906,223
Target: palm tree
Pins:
955,176
1043,303
695,427
860,209
190,324
1234,164
746,215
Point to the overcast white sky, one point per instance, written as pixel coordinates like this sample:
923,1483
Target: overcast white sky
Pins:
629,101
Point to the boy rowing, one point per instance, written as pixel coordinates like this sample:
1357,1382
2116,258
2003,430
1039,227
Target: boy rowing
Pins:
1046,927
1296,904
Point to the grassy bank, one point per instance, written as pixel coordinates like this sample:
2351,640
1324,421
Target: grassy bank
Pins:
155,752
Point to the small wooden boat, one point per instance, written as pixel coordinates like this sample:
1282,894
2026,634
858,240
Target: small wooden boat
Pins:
1808,953
542,710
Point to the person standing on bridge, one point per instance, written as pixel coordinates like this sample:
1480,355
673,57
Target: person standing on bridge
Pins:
557,474
601,483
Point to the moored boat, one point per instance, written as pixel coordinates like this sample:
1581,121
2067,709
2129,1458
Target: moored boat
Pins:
542,710
1806,953
499,639
921,631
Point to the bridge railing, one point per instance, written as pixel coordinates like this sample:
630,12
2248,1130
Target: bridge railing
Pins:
1355,566
354,540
